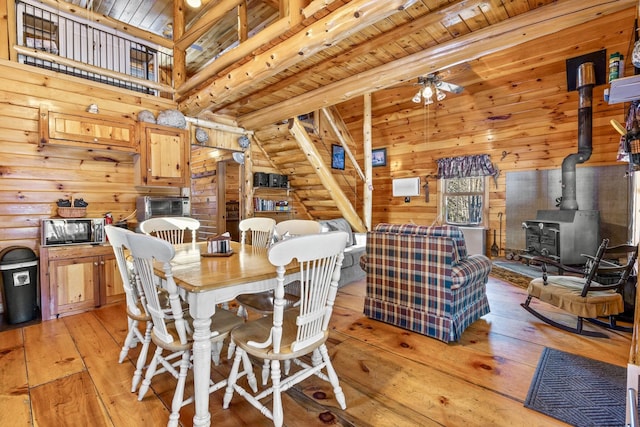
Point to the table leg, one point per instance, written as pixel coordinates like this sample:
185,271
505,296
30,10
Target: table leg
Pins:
201,313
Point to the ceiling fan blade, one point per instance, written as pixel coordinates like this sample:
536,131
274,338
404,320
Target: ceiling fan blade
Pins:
449,87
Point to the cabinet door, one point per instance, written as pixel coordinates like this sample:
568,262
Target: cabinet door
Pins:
110,280
74,283
88,130
165,152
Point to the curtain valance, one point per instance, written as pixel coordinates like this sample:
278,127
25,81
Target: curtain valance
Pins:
466,166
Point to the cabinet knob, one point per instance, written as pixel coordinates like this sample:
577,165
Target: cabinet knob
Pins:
95,139
101,262
95,263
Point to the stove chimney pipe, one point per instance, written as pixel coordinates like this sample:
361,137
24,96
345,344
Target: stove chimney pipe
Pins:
586,80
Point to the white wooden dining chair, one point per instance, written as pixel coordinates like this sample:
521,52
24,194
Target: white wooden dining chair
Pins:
171,229
257,231
289,335
297,227
136,307
262,302
172,330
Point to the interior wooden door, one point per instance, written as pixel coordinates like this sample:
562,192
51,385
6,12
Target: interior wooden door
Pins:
215,180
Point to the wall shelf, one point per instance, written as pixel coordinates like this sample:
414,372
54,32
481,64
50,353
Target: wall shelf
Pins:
625,89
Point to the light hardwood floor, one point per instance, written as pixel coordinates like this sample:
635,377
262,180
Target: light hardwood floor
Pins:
65,372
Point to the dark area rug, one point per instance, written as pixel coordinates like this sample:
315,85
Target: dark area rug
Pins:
578,390
510,271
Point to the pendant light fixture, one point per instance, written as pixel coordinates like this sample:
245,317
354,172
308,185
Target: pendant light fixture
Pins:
194,3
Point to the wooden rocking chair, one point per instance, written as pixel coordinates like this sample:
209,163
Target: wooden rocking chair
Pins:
588,294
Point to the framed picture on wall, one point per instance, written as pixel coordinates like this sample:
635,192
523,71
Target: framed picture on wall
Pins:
379,157
337,157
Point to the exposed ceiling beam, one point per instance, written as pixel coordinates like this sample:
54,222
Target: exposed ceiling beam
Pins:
208,19
512,32
451,9
338,25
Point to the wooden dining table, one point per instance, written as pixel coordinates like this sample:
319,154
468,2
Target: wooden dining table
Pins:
206,280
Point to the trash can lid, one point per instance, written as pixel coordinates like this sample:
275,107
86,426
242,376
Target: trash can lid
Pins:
14,254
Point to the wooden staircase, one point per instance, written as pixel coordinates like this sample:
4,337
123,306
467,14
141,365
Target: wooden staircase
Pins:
295,150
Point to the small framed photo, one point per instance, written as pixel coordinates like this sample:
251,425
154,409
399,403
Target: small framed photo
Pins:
337,157
379,157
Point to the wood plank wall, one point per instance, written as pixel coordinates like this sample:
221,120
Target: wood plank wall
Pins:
32,178
515,107
514,102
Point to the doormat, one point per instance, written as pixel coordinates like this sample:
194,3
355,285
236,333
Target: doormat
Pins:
510,272
578,390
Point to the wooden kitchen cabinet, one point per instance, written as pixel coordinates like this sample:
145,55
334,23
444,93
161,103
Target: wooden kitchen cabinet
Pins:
74,279
164,156
87,130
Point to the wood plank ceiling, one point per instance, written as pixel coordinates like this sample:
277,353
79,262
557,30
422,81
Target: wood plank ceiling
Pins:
369,49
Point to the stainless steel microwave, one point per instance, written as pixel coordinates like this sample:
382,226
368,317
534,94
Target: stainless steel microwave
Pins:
72,231
155,206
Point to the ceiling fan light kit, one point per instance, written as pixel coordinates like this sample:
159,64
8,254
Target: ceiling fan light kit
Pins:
432,84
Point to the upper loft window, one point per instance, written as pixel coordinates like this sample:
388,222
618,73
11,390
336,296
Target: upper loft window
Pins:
88,48
464,200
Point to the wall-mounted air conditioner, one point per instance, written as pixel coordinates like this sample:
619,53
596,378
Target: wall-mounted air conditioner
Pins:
406,187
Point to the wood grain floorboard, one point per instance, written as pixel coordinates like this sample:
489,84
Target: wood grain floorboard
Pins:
390,376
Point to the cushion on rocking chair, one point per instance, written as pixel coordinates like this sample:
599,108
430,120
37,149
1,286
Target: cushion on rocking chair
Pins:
564,292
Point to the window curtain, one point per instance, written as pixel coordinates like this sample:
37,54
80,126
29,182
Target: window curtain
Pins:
466,166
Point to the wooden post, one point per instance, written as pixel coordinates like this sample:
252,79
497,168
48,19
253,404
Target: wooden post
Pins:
367,146
179,55
242,22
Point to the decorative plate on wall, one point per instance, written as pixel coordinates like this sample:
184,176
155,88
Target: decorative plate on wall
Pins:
243,141
202,135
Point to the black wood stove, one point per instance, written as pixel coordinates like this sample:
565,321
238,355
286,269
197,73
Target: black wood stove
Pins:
563,234
567,233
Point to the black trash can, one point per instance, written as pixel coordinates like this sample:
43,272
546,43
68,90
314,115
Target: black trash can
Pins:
19,274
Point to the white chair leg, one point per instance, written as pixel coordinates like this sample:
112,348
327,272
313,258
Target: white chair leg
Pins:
230,350
333,378
316,358
242,312
265,372
142,358
276,410
248,371
151,370
233,377
178,395
130,340
216,349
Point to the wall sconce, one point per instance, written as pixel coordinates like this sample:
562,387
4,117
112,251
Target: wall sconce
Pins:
93,109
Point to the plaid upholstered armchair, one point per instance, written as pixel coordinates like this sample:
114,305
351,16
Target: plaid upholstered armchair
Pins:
420,278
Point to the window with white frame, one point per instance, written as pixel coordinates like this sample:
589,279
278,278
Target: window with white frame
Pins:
463,200
464,195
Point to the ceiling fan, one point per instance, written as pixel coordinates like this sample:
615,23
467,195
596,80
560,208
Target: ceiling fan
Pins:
432,84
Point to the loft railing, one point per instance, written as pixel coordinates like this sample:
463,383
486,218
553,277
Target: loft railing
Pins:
51,40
